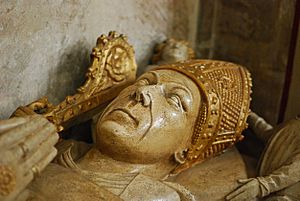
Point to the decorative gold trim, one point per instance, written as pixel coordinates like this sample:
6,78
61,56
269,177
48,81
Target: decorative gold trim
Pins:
7,180
113,68
225,90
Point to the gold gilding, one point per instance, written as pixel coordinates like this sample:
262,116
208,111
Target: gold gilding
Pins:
225,91
113,68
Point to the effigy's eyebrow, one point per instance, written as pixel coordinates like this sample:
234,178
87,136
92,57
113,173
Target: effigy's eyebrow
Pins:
178,85
182,87
155,74
148,75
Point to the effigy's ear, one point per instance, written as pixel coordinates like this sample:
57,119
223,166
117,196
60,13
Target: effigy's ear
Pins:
113,68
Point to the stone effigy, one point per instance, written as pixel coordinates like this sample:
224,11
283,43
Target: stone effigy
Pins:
171,119
278,171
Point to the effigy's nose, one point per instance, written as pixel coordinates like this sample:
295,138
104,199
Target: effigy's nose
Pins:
142,94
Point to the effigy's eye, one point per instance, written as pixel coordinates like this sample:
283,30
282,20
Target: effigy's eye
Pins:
175,101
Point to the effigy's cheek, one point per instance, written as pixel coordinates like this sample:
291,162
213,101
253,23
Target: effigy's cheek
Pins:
168,119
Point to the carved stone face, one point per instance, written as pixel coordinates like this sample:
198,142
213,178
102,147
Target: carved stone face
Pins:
150,120
174,51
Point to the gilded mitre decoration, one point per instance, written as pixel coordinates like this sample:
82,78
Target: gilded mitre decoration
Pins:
225,98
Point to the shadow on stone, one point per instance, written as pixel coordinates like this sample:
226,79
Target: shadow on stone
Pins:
70,72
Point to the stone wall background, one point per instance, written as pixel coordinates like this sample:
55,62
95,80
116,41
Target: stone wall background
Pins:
45,45
255,34
293,105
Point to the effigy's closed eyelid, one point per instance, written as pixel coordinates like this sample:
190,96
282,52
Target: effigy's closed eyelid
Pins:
182,96
176,101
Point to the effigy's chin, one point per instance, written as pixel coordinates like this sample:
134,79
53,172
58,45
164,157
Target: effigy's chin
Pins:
113,129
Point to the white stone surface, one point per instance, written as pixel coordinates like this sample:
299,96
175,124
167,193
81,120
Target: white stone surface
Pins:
45,45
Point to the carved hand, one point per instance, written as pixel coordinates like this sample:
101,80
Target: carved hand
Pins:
248,191
26,147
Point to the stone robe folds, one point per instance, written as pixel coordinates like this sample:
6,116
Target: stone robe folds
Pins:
279,170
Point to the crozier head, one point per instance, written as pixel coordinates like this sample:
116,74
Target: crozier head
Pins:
179,108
